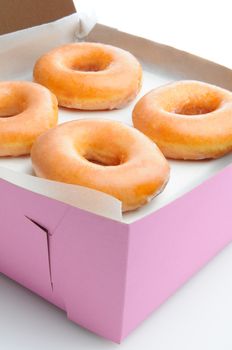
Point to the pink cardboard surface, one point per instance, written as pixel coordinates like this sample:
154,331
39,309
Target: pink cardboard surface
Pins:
108,276
168,247
25,230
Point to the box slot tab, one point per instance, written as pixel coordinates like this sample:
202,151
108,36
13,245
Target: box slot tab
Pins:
45,230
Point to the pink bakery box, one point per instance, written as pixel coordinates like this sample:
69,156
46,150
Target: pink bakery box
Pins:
109,273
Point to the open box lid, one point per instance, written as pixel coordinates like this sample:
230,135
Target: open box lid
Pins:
16,15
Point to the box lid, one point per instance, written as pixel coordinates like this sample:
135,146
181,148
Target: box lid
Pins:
16,15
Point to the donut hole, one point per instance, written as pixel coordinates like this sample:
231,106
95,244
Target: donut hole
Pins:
100,143
95,62
90,66
196,109
10,110
104,159
12,102
199,103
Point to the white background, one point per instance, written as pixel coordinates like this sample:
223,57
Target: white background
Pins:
199,315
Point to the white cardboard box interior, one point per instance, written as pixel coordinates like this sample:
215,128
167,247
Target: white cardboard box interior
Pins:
16,64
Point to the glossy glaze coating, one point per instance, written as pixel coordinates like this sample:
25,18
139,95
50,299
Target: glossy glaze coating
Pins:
104,155
187,119
90,76
26,110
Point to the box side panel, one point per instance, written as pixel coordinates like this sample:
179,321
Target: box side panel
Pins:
27,221
72,258
89,263
169,246
23,253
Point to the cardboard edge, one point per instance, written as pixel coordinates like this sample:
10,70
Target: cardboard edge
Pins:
186,194
38,192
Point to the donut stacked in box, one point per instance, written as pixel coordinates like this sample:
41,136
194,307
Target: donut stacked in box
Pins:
185,120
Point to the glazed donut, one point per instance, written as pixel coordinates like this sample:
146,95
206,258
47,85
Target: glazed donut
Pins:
105,155
90,76
187,119
26,111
